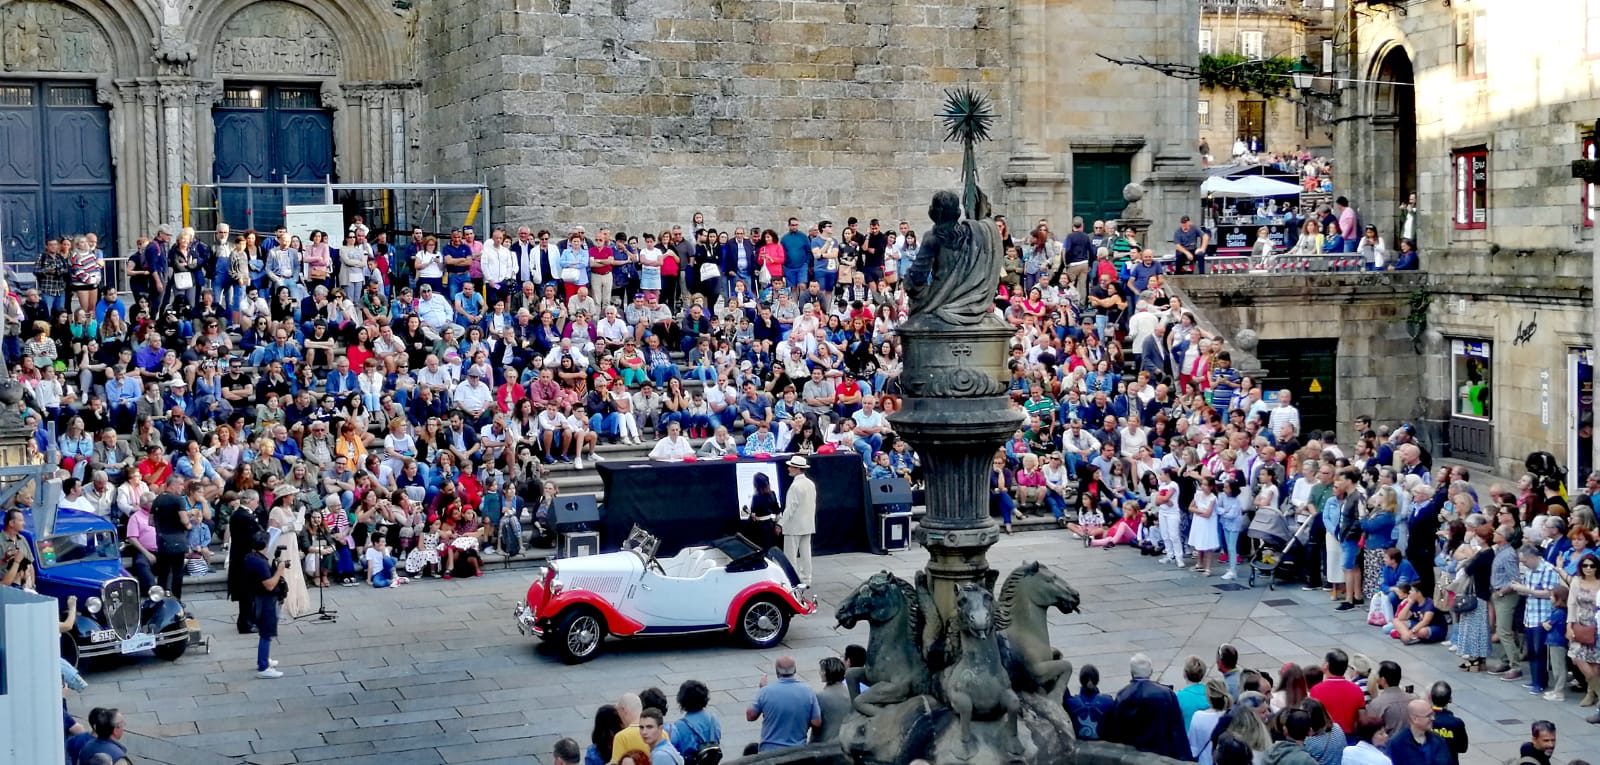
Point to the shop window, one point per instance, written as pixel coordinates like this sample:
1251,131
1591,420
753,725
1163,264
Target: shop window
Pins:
1471,171
1472,378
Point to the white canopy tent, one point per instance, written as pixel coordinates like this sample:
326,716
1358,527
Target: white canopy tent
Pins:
1248,186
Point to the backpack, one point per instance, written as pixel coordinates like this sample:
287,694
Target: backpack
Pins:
709,754
510,535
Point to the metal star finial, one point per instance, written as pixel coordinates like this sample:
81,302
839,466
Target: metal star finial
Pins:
967,115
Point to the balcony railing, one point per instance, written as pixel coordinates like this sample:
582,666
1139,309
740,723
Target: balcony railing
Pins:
1265,5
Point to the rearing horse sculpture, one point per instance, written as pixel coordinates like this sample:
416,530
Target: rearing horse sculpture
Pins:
895,670
1026,597
974,681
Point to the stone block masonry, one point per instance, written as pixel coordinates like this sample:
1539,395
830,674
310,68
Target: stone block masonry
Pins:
640,112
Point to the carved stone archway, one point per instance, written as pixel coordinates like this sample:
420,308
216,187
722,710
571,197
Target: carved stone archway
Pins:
99,41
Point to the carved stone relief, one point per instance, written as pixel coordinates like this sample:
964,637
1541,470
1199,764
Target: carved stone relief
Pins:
276,38
44,36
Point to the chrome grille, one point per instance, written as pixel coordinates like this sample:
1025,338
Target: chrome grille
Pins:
120,598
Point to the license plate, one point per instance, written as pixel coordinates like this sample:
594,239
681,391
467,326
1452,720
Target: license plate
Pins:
139,643
101,636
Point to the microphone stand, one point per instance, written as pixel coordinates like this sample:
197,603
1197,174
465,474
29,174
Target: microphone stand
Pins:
324,614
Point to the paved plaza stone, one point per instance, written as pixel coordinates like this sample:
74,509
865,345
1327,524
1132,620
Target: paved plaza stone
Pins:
435,672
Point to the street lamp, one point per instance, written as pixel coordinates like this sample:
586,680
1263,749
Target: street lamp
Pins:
1302,73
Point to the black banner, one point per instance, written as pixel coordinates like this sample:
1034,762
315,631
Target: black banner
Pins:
690,503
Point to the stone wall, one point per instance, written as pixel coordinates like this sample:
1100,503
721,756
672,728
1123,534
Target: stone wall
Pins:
1379,371
640,112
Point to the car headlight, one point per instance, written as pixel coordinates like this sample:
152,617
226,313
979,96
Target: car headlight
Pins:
157,594
92,605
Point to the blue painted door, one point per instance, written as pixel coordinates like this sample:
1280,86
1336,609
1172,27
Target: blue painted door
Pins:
269,134
55,167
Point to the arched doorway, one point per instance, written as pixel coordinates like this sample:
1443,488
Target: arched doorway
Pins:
1394,124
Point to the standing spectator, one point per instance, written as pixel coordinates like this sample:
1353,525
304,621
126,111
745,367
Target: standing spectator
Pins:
787,709
798,521
172,536
797,257
1538,586
1507,601
1348,231
1146,715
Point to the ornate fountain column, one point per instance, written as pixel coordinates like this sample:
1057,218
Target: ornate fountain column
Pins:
956,416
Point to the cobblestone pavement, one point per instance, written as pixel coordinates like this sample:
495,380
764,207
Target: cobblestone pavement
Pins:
435,672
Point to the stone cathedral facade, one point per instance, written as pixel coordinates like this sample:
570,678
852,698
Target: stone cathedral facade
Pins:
604,112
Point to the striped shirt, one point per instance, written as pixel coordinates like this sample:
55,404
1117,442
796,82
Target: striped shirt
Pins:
1542,579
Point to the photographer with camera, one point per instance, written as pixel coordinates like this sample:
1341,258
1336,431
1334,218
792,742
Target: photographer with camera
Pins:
270,590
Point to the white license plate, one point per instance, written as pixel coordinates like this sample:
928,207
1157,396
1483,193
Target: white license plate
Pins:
101,636
139,643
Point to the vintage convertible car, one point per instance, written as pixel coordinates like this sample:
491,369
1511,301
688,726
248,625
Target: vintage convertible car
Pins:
79,554
729,585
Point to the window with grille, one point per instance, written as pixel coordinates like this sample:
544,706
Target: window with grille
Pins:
1471,171
1205,42
13,95
1205,113
71,95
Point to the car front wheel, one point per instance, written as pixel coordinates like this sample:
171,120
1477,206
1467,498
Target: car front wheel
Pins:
762,622
579,635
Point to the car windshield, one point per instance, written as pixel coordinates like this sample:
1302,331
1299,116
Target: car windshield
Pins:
72,548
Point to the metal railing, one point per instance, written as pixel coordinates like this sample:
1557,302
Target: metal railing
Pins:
1284,264
20,273
435,207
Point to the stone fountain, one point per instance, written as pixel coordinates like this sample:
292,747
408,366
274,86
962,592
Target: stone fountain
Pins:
958,672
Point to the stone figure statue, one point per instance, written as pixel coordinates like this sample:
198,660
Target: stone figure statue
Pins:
895,670
975,682
957,268
1024,602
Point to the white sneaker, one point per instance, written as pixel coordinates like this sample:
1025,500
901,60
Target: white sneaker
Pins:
269,674
1555,695
1180,563
577,463
1228,576
272,663
597,458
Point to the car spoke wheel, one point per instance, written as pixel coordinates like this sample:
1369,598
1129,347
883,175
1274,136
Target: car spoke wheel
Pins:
580,635
763,623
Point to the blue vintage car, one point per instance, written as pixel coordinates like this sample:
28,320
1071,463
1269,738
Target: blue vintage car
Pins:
81,555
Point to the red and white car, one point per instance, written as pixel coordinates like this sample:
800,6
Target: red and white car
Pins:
729,585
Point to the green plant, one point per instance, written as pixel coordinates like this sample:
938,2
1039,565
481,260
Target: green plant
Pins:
1230,71
1417,319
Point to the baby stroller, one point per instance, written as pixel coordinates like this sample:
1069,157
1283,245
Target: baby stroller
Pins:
1276,542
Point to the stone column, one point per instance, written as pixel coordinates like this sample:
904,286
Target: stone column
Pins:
177,144
333,99
1175,173
118,101
151,141
1032,176
956,416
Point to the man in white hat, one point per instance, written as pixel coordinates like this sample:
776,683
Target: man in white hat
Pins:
799,519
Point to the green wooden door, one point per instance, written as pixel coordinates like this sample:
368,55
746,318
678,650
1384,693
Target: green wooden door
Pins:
1097,181
1307,368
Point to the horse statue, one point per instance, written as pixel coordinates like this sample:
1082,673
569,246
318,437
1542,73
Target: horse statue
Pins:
1026,597
973,679
895,670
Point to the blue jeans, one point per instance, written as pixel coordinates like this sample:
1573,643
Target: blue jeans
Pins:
263,654
1006,504
1230,545
385,577
661,374
454,282
1535,653
707,375
604,425
865,450
1056,503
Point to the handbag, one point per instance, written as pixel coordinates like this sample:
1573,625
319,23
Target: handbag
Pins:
569,273
183,280
709,271
1583,633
